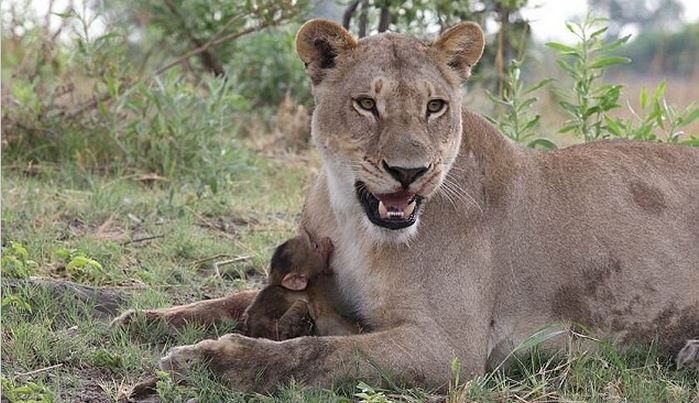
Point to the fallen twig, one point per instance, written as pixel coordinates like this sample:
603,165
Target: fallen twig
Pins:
38,371
146,238
229,261
210,258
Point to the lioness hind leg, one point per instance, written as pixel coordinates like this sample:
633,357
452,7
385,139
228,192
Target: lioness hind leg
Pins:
208,312
688,357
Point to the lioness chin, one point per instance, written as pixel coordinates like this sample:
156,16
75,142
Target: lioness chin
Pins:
453,242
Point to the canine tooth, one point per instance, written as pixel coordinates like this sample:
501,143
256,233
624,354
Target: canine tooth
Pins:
409,209
383,211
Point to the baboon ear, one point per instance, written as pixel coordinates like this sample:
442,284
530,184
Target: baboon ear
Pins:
462,44
318,43
295,282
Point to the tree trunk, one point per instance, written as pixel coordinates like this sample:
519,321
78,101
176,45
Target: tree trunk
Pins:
349,13
363,18
504,13
384,19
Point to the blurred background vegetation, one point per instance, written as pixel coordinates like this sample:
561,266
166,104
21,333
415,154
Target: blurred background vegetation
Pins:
168,87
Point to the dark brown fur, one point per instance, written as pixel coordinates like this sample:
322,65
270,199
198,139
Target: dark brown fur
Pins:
280,313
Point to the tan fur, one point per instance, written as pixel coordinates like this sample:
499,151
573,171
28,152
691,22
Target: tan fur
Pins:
208,312
508,240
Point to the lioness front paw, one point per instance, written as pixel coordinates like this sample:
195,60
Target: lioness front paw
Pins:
130,316
124,319
688,357
179,360
244,363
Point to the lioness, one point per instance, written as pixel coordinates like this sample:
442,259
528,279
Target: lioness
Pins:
451,241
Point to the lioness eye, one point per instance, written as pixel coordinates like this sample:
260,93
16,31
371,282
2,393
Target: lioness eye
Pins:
366,103
435,105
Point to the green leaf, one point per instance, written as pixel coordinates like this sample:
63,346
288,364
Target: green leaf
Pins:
538,85
615,45
643,98
660,90
19,249
608,61
542,143
490,119
568,127
692,141
530,124
527,104
570,108
599,32
562,49
690,117
614,126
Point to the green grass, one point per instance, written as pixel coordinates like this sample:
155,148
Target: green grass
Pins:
57,349
61,215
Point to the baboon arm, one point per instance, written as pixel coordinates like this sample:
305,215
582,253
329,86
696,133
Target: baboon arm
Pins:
405,354
296,313
331,323
209,312
293,323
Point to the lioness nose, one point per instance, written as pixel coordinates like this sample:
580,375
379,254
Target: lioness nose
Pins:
405,176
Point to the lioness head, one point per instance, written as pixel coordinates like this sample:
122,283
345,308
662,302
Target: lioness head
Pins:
387,120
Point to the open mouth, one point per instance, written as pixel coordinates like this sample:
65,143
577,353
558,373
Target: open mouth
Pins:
392,210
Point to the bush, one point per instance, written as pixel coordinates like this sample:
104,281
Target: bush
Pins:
267,70
590,105
100,102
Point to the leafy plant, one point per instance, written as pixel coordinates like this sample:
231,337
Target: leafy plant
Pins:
25,392
368,394
267,69
590,101
655,120
16,262
14,301
517,101
81,267
107,102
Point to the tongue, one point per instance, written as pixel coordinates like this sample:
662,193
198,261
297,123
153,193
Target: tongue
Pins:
396,201
397,205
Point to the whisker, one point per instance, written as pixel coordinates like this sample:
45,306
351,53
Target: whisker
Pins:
459,193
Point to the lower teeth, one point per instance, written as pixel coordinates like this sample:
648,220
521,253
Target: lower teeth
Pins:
393,214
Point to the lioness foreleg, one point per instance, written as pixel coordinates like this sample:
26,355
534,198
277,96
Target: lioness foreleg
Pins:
208,312
404,354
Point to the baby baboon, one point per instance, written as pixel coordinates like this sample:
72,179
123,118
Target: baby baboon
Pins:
296,301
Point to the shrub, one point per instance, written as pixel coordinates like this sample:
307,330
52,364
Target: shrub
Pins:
590,104
107,102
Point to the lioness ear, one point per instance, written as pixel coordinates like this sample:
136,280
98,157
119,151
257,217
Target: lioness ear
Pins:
295,282
463,46
318,43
